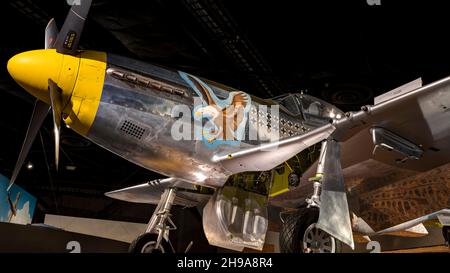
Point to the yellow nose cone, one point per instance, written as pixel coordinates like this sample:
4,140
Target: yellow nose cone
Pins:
33,69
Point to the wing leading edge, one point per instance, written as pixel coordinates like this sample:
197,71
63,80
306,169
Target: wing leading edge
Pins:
150,193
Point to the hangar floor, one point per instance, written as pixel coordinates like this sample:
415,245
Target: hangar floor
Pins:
73,235
431,249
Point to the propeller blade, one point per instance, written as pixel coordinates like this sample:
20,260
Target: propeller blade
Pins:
51,32
55,98
37,118
68,39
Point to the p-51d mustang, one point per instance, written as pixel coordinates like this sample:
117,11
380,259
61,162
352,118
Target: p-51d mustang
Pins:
230,162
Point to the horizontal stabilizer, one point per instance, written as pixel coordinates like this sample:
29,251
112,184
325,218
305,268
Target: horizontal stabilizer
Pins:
414,225
415,231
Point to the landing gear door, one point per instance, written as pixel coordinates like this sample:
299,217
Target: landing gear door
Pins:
234,219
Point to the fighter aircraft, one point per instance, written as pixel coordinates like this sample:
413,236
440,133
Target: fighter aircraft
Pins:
234,153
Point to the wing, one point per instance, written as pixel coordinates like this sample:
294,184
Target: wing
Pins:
202,89
422,116
386,190
150,193
267,156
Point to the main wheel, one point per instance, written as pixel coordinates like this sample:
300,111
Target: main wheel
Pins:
299,234
446,234
146,243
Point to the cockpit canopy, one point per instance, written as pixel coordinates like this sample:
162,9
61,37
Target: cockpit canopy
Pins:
312,110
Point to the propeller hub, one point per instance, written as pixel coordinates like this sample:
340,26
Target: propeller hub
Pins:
33,69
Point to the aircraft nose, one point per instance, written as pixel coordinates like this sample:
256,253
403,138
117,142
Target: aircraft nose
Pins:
32,69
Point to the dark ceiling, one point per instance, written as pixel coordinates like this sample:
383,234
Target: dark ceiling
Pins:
345,52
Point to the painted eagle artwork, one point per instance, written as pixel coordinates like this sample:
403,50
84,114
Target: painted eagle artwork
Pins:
227,118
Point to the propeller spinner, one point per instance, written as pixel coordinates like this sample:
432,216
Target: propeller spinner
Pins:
50,76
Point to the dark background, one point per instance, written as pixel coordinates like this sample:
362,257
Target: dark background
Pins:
345,52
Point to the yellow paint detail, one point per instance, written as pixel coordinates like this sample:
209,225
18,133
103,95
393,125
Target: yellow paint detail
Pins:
289,166
280,182
32,70
80,78
275,193
317,177
68,77
87,92
433,223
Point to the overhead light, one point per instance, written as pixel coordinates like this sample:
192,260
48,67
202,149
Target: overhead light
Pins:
332,115
71,167
29,165
338,116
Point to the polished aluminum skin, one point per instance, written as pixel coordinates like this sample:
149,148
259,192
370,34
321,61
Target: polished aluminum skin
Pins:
136,116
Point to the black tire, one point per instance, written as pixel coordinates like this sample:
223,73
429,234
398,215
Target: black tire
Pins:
143,244
294,227
446,234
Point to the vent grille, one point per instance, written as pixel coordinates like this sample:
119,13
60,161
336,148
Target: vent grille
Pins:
147,82
132,129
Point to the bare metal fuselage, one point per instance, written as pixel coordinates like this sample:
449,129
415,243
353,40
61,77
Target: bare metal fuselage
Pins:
135,117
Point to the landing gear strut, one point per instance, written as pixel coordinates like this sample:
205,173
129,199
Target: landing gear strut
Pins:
156,237
314,201
299,232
